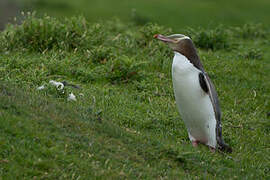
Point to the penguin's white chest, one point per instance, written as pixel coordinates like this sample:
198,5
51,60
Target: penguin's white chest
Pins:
193,103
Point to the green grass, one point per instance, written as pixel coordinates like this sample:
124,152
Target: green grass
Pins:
172,13
126,125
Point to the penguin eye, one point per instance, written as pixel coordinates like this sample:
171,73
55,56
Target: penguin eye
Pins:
177,40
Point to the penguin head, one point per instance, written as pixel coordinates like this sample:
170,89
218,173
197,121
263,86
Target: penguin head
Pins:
178,42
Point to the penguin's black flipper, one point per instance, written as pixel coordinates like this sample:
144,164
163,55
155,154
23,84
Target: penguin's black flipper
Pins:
203,83
208,87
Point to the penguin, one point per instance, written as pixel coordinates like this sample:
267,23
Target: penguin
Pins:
195,94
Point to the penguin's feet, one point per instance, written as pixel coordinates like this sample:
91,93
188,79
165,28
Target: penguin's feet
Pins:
213,150
195,143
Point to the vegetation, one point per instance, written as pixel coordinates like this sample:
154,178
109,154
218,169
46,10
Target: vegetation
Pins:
172,13
210,39
124,123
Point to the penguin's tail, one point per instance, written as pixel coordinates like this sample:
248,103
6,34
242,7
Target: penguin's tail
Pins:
222,146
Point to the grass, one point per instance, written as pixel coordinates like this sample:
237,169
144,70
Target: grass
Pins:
125,125
173,13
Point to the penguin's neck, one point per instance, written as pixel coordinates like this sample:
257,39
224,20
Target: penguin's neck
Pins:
181,63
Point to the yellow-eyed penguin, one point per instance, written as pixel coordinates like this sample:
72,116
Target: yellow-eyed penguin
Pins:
195,94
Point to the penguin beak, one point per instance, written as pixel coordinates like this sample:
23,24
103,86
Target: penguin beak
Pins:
164,38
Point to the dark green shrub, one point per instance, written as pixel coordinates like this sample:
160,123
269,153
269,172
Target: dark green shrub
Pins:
150,29
46,33
250,31
83,75
251,54
101,54
123,69
213,39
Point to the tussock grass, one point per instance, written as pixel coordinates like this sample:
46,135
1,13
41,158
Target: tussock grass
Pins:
126,125
251,31
213,39
252,54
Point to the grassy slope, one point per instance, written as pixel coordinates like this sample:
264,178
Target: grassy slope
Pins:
173,13
123,127
47,139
